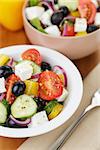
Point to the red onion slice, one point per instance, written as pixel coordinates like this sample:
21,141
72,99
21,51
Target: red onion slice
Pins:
69,17
64,33
48,4
35,76
21,123
11,122
60,70
10,63
2,96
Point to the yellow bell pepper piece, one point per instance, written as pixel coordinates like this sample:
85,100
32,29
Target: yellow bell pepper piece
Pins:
31,88
61,76
75,13
56,110
3,59
81,34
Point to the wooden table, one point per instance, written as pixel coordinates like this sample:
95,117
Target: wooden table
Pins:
8,38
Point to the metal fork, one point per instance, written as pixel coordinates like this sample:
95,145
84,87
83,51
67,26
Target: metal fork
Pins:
57,145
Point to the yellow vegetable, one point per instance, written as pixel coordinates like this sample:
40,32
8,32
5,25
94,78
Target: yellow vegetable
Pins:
56,110
81,34
75,13
11,14
31,87
3,59
61,77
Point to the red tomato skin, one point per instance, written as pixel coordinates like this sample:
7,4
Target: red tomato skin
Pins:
70,30
84,2
9,83
87,10
47,93
93,14
33,55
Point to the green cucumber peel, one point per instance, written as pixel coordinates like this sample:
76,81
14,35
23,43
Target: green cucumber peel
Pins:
49,107
37,24
33,2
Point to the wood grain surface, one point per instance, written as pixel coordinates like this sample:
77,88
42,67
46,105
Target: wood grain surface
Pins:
8,38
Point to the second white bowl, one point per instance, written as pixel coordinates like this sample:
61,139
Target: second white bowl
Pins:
75,89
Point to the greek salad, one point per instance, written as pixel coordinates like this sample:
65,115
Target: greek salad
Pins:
64,17
32,91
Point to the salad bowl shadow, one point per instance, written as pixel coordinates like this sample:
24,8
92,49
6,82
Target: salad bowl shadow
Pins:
74,47
75,90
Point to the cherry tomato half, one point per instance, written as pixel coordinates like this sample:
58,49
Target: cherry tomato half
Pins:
50,85
70,30
87,10
9,84
33,55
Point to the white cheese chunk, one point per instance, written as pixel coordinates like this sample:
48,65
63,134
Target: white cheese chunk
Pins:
34,12
53,30
95,3
45,18
80,25
38,119
2,85
97,19
23,71
63,96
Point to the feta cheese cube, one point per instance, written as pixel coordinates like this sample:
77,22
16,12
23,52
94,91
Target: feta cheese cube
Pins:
2,85
23,71
97,19
95,3
34,12
45,18
63,96
38,119
80,25
53,30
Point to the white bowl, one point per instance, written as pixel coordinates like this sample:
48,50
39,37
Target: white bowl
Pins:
75,88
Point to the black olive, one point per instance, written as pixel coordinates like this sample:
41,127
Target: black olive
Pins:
41,103
45,66
45,7
5,71
98,9
92,28
57,17
64,10
18,88
55,1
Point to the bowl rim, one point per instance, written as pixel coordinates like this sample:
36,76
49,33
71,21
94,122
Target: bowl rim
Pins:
56,122
51,36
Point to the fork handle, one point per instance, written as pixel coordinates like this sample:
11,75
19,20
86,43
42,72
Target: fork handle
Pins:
67,133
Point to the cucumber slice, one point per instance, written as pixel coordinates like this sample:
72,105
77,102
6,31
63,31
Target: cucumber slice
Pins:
71,4
7,105
23,107
3,113
49,107
36,68
25,62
